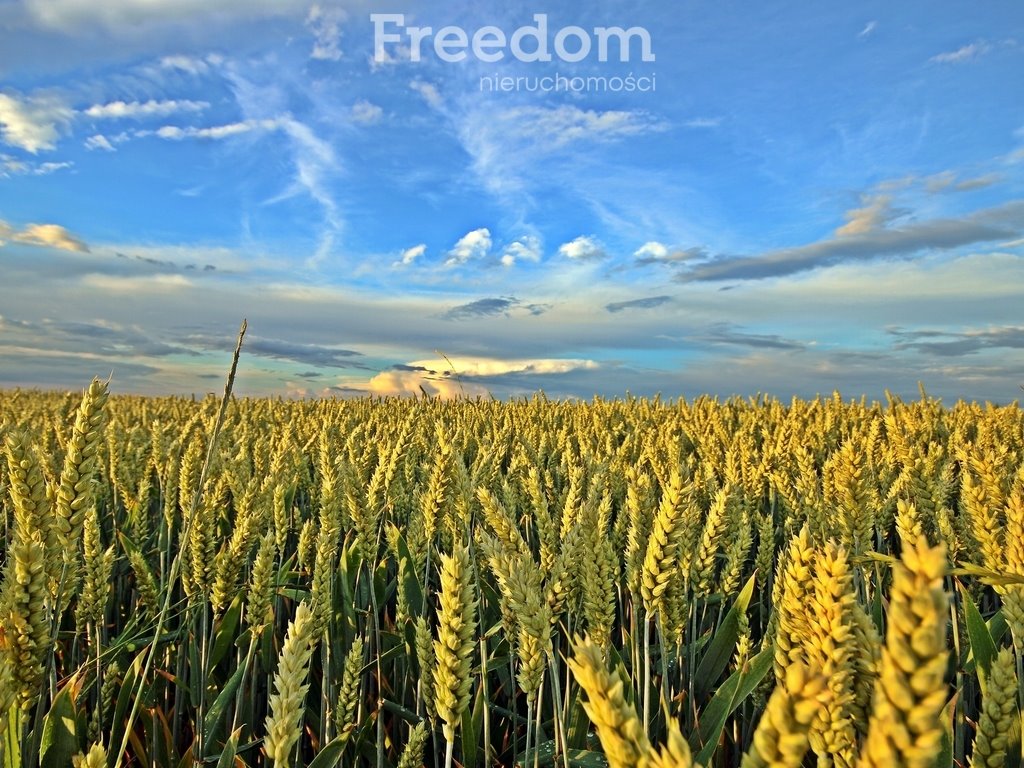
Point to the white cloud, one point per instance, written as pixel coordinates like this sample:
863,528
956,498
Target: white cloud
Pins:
177,133
409,255
703,122
12,166
475,244
415,383
483,366
99,141
582,248
510,148
366,113
153,284
314,162
142,109
558,126
453,377
652,250
870,27
525,248
49,236
325,24
106,143
429,93
962,54
33,123
44,169
188,64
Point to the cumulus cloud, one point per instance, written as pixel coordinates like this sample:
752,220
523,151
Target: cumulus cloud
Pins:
649,302
33,123
472,245
406,383
455,377
116,110
526,248
480,366
653,252
583,248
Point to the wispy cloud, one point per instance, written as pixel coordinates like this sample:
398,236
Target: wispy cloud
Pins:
550,128
99,141
429,93
948,181
703,122
726,333
115,110
493,307
869,28
12,166
649,302
961,55
875,214
943,343
319,355
366,113
409,255
191,65
214,132
482,308
1003,222
511,147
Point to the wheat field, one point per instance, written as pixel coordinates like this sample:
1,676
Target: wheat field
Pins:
632,582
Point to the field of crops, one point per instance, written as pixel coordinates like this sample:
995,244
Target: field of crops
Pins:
634,582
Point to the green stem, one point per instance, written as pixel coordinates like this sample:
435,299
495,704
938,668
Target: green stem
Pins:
176,562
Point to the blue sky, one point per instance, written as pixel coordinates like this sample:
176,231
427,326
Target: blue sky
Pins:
790,198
